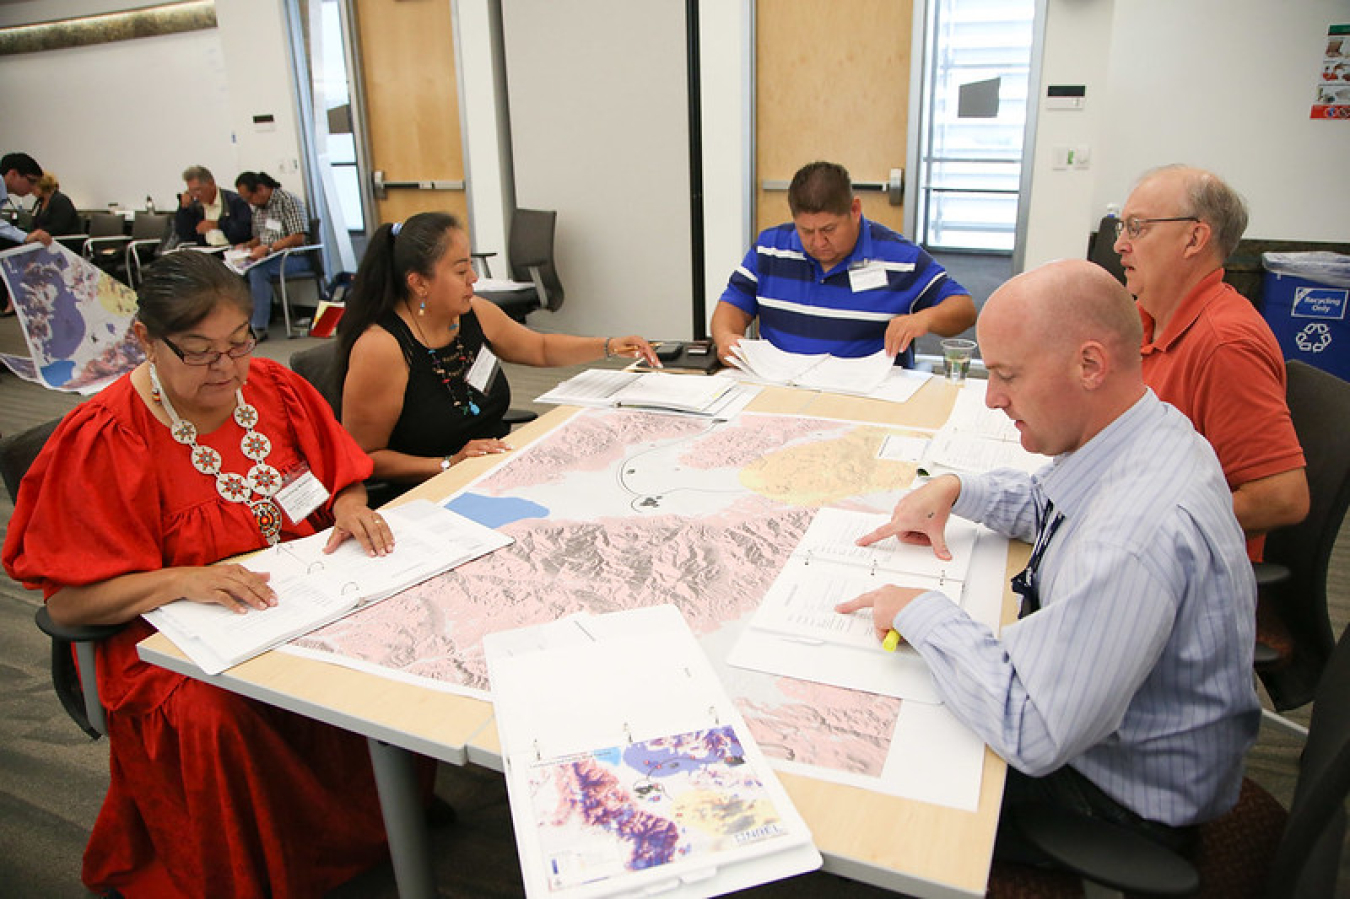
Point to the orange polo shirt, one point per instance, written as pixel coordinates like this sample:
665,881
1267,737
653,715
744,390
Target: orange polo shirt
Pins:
1219,363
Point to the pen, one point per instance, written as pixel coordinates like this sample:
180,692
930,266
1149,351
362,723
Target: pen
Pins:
892,640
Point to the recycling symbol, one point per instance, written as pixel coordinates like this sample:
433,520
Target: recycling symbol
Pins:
1314,338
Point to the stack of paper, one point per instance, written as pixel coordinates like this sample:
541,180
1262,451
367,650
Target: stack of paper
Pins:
710,396
766,362
797,632
977,438
629,769
314,588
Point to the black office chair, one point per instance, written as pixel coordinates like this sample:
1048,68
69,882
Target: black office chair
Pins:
531,249
107,241
1102,248
79,697
313,251
1257,849
1293,578
149,231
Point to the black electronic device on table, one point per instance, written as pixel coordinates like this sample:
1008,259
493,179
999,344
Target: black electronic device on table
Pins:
685,355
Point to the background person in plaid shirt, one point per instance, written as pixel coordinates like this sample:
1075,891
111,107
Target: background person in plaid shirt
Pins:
279,221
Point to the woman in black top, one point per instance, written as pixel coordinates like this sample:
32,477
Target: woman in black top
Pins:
413,330
54,213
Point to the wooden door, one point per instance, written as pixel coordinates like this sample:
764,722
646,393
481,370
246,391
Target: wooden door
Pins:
412,106
831,83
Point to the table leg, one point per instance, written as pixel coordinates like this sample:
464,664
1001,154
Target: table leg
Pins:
404,819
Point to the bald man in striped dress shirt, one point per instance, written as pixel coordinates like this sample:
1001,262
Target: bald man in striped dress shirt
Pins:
1125,689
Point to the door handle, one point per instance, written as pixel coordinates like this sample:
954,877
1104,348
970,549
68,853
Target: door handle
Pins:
893,187
381,186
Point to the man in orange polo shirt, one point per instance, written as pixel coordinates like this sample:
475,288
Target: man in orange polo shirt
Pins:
1206,349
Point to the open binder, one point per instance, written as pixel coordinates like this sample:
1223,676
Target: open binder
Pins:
796,631
629,769
314,588
653,391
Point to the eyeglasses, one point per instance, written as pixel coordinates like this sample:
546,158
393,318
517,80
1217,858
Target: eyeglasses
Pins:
1134,227
210,357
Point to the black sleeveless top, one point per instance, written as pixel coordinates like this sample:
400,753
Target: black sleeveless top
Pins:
431,424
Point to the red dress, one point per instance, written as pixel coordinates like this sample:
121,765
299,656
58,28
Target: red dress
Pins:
211,794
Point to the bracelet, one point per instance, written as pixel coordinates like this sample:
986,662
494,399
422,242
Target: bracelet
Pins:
608,354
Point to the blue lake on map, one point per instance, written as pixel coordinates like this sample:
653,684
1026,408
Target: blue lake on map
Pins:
495,511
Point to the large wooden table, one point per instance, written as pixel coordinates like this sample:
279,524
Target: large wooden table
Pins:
915,847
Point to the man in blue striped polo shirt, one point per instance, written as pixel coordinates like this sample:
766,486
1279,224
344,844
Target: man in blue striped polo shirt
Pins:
830,281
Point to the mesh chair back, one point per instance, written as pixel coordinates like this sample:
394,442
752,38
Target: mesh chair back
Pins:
150,226
1308,859
18,451
106,224
1319,404
320,366
532,245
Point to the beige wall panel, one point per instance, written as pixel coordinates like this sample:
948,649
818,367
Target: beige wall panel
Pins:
412,99
831,82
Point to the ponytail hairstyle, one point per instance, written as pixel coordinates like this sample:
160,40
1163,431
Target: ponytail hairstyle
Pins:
381,281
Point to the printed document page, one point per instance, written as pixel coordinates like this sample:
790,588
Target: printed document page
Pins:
314,588
797,632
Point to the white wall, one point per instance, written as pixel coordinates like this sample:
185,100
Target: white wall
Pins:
599,133
122,120
726,59
1223,84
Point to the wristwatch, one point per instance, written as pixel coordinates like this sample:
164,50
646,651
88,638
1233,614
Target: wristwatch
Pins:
445,463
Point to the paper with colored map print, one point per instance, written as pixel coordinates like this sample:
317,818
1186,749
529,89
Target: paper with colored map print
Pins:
619,509
75,317
651,782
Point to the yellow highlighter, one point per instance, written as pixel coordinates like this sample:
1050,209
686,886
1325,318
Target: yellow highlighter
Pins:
892,640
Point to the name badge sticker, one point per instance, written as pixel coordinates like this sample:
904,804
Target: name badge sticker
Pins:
300,494
482,371
869,277
272,225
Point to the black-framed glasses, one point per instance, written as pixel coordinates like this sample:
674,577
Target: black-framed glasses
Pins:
1135,226
210,357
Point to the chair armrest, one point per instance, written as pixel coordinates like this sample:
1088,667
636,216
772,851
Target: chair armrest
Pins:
1105,853
1268,574
515,417
483,257
80,633
78,692
304,249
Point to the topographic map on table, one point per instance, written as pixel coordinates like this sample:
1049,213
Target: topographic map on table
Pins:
620,509
76,319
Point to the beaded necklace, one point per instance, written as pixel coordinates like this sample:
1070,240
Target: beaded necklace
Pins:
451,363
262,479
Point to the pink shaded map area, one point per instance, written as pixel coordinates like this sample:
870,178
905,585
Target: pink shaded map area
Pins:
588,442
714,567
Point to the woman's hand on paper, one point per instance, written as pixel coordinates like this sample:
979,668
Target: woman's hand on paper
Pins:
232,586
353,518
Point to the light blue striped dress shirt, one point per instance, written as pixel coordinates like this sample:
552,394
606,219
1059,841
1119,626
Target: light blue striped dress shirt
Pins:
1137,670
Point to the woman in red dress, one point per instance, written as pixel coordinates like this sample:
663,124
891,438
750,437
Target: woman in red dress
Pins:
174,467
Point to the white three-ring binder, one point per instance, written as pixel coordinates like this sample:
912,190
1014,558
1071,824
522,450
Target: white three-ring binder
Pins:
629,769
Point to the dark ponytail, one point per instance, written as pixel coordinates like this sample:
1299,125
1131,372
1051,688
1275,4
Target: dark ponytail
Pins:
381,281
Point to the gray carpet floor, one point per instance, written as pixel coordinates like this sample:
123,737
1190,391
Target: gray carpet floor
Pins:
52,779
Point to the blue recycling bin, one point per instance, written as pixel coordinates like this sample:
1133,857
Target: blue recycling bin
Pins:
1304,299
